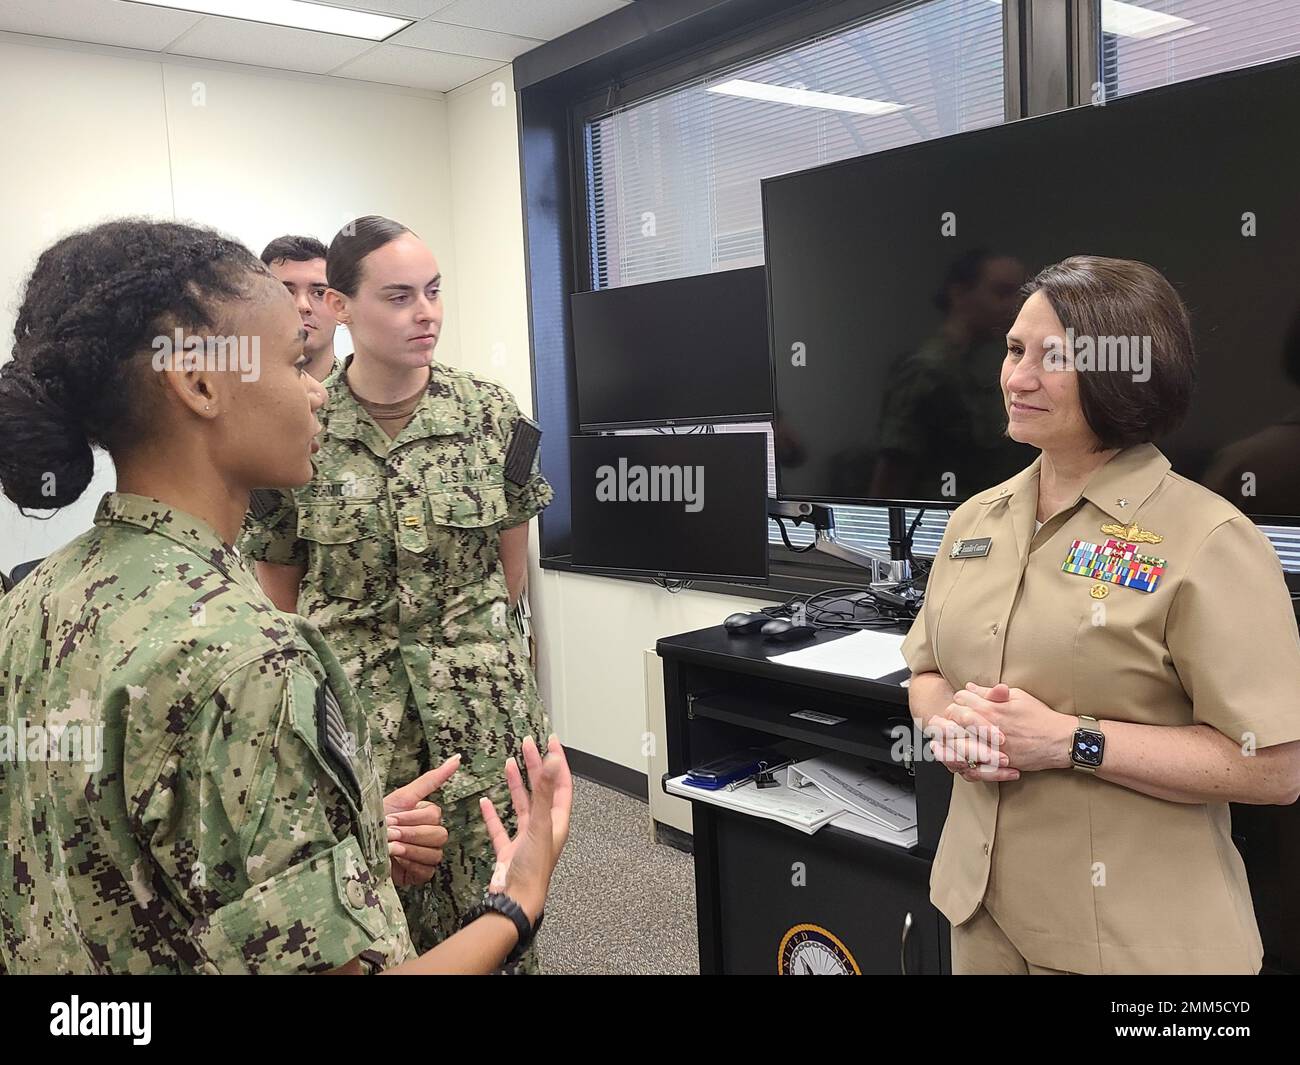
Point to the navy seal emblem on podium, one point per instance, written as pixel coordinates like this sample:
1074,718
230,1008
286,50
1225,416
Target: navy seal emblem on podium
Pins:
810,950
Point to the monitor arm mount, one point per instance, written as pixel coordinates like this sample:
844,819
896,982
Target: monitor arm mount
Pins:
885,569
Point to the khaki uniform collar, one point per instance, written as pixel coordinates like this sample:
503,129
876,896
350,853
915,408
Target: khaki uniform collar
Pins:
440,413
1126,482
123,508
1021,496
1118,489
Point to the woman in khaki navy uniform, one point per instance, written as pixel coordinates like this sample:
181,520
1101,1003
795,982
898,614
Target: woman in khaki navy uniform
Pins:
409,548
222,812
1107,656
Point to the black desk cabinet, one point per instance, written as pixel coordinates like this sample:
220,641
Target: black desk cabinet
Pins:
771,898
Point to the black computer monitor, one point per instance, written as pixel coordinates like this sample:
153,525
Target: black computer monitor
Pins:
689,350
686,506
893,280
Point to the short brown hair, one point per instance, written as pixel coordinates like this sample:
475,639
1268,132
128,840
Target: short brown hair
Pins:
293,249
1099,297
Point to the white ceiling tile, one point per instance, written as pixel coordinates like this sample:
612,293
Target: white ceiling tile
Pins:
543,19
279,47
403,8
464,40
416,68
114,22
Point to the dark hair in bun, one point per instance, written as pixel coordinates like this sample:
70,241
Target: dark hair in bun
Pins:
352,244
95,301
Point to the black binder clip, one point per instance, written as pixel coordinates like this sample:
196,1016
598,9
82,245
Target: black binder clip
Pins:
766,778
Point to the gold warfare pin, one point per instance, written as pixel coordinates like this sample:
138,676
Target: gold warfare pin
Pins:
1134,533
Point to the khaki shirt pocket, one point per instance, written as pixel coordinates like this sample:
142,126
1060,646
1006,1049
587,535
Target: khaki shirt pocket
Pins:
343,538
467,505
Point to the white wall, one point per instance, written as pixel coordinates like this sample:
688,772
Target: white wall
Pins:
95,134
84,137
590,630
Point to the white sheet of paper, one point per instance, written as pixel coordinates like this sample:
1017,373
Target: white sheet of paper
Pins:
795,809
864,827
856,785
867,655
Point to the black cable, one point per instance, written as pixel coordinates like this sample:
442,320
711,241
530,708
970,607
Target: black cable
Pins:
907,540
785,539
820,611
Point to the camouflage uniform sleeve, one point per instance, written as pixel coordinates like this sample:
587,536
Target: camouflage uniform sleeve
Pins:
270,532
255,829
531,498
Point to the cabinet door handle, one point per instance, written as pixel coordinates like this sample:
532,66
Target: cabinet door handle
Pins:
902,946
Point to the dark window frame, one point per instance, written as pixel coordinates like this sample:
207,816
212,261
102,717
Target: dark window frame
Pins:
647,49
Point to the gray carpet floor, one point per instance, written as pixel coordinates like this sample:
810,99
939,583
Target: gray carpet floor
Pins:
620,903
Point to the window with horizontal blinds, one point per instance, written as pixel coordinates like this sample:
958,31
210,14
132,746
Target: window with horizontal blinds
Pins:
1156,42
673,181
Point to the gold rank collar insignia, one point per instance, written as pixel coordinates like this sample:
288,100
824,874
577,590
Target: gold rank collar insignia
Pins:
1134,533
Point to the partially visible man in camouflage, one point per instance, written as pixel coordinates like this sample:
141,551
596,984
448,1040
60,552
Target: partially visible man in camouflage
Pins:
397,543
233,825
298,263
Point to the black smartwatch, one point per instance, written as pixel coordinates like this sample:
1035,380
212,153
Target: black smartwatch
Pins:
504,904
1089,744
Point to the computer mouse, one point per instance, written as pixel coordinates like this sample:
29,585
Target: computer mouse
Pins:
746,622
778,630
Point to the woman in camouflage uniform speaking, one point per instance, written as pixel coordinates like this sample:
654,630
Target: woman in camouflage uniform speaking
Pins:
223,810
408,549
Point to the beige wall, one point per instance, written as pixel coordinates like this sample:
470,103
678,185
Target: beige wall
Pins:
590,630
97,134
85,137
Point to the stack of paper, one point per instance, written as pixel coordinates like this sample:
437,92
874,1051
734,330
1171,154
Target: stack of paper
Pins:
807,813
821,791
858,789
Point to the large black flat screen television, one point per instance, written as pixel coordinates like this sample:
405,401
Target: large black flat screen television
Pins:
686,351
893,277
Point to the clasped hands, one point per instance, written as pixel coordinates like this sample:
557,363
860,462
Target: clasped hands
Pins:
1003,731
